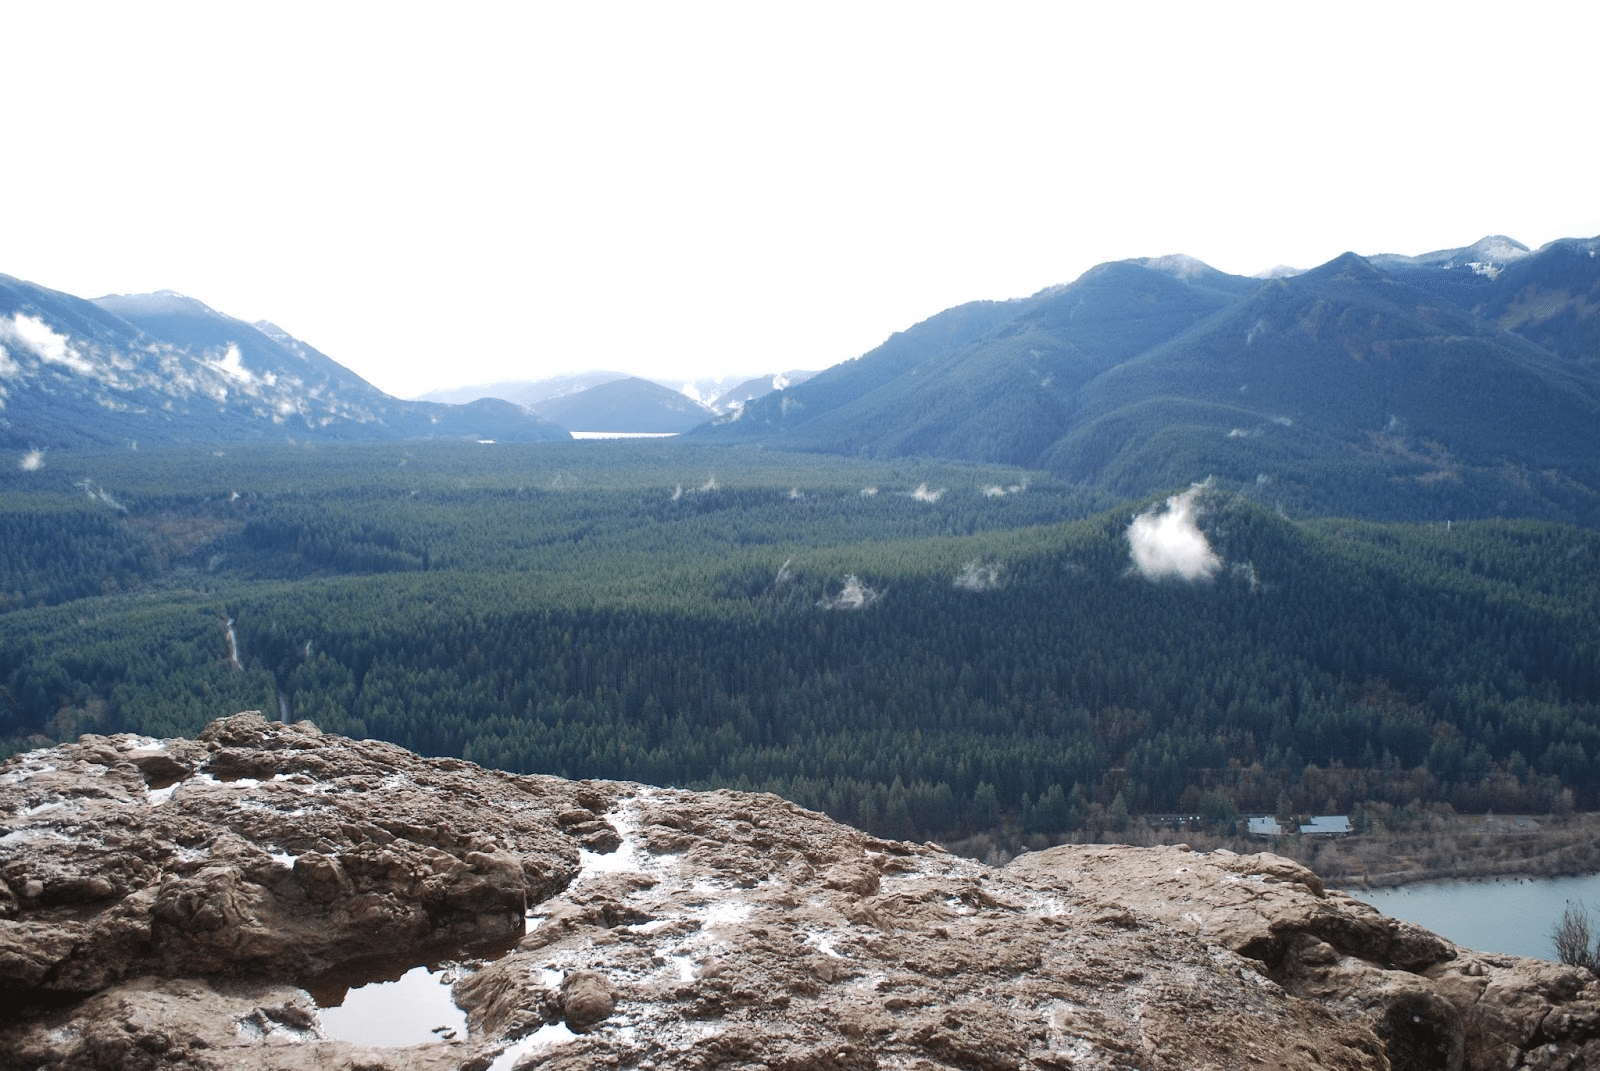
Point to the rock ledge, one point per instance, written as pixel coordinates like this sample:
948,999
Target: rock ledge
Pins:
166,904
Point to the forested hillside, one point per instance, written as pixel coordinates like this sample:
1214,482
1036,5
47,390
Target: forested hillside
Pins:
1463,383
918,648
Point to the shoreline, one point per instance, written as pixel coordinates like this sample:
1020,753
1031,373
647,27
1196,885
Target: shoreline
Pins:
1439,846
1456,848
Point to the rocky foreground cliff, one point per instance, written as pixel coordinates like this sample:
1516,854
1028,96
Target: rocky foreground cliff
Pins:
166,904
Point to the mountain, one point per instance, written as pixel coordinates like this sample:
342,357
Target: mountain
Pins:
525,392
1552,298
1343,374
707,390
758,387
164,367
989,381
715,394
1462,276
1459,383
627,405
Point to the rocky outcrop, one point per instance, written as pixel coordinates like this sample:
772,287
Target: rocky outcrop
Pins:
1432,1004
170,903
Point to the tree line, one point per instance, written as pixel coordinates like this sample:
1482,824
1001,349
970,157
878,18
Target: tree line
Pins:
1008,668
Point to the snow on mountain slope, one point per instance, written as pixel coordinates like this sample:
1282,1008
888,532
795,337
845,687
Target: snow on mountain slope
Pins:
164,367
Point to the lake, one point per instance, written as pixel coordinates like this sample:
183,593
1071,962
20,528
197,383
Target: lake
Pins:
1512,915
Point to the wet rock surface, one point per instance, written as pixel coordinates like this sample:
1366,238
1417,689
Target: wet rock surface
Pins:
163,904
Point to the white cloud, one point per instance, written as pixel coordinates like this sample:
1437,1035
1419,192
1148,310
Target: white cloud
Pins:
1169,544
100,494
853,596
32,461
231,364
979,576
32,333
923,494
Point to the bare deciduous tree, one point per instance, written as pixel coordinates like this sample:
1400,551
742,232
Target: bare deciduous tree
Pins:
1573,938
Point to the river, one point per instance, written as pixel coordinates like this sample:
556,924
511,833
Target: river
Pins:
1512,915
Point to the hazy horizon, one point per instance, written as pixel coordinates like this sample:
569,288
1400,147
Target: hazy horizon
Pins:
713,189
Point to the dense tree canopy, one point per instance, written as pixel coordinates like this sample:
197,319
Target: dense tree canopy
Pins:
918,648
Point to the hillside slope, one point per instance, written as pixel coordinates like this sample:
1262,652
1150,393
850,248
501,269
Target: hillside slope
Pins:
626,405
1348,389
165,368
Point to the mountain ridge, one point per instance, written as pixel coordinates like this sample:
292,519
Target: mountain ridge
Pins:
1505,333
168,368
626,405
1457,385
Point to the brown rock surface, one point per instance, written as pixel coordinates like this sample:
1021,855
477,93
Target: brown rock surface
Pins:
161,901
1434,1005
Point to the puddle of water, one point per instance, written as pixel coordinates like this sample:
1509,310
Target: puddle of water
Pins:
397,1000
411,1010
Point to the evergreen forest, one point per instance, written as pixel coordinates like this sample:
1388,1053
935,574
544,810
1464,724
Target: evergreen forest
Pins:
924,649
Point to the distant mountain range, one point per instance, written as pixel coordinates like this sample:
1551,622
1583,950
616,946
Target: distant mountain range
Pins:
1459,383
1463,382
166,368
626,405
715,396
525,392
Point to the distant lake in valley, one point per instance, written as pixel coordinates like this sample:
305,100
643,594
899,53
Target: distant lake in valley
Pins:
1509,915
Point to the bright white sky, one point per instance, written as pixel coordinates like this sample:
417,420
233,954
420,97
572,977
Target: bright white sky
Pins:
440,195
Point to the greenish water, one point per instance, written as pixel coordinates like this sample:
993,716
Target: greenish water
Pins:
1510,915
